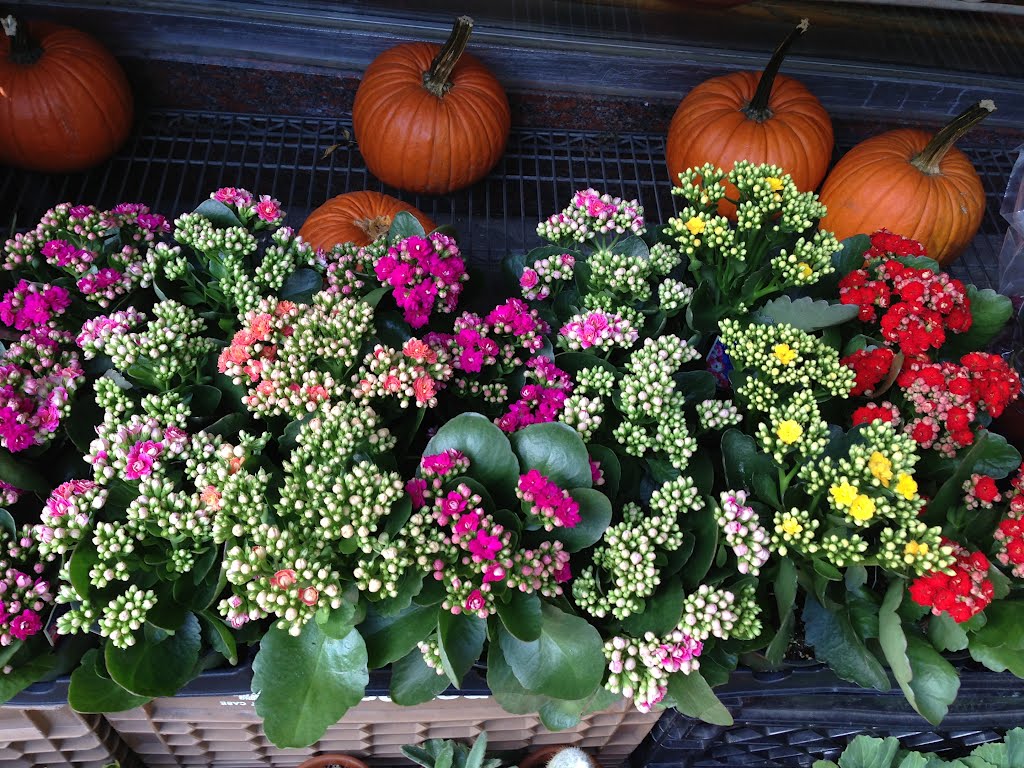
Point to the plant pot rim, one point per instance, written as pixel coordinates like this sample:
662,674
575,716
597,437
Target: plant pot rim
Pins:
343,760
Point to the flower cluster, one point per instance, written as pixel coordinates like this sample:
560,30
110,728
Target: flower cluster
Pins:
744,534
39,374
412,376
25,596
962,590
66,516
914,307
263,212
425,273
541,398
293,357
597,330
31,305
543,499
545,276
639,668
871,366
593,216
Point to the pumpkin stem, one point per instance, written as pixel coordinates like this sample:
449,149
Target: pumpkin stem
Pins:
758,109
375,227
436,79
24,50
929,158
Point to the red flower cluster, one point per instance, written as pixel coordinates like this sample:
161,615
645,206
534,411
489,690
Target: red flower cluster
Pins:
920,305
981,491
945,399
962,592
1010,539
872,412
871,367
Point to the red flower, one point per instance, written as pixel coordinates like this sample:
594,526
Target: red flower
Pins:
871,367
871,412
963,594
985,489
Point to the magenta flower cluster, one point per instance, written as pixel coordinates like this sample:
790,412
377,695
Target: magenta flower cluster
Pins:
30,305
265,209
597,329
545,500
24,596
541,399
425,273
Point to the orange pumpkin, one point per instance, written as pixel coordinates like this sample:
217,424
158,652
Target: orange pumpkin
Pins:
912,183
763,118
355,217
431,119
65,103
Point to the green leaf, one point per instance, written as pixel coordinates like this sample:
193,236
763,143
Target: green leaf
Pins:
610,468
82,561
999,459
22,676
743,461
7,524
413,682
946,634
566,662
694,698
506,689
850,255
869,752
521,615
990,312
632,246
219,636
785,600
893,640
805,314
218,213
389,638
92,691
555,450
301,285
999,658
837,644
204,399
156,669
487,448
404,225
989,451
20,475
696,386
662,613
461,640
705,530
306,683
934,683
703,311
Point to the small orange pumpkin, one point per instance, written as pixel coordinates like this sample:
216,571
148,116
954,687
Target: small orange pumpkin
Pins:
763,118
65,103
355,217
431,119
911,183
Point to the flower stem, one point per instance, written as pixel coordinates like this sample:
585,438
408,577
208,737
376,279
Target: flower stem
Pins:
929,159
24,50
436,79
758,109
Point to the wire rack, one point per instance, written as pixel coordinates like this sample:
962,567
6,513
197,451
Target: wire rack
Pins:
176,158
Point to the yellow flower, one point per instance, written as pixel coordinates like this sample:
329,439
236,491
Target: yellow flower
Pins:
906,486
862,508
805,270
695,225
774,183
785,353
914,548
791,526
881,468
843,494
789,431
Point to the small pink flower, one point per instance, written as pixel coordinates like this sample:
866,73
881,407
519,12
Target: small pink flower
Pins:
563,574
25,624
475,601
268,209
493,572
529,279
467,523
424,389
283,579
309,595
416,488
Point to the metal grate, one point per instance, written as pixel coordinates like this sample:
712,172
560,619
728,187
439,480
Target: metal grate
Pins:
176,158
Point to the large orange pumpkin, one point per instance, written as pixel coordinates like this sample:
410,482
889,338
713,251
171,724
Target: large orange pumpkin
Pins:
911,183
431,119
65,103
763,118
355,217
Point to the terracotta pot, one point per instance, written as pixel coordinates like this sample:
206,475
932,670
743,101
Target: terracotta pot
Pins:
540,757
323,761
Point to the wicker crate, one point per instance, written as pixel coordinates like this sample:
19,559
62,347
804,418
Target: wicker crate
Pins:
789,721
214,724
54,735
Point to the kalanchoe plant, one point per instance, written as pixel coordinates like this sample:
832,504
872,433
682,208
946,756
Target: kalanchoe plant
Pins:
871,752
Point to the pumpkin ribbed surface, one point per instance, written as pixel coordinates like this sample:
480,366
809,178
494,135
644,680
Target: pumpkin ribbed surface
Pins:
875,185
355,217
415,140
66,111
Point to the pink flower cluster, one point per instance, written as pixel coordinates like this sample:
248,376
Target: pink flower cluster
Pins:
744,533
597,329
65,517
539,280
25,596
592,215
136,449
553,505
435,470
413,376
541,399
266,209
97,331
30,305
425,273
37,378
64,255
9,494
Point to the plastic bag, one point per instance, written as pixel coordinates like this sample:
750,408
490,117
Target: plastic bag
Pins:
1011,257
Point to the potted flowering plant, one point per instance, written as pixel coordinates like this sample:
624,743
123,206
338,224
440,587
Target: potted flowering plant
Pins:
680,448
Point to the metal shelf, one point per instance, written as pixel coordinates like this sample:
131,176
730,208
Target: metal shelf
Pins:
176,158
